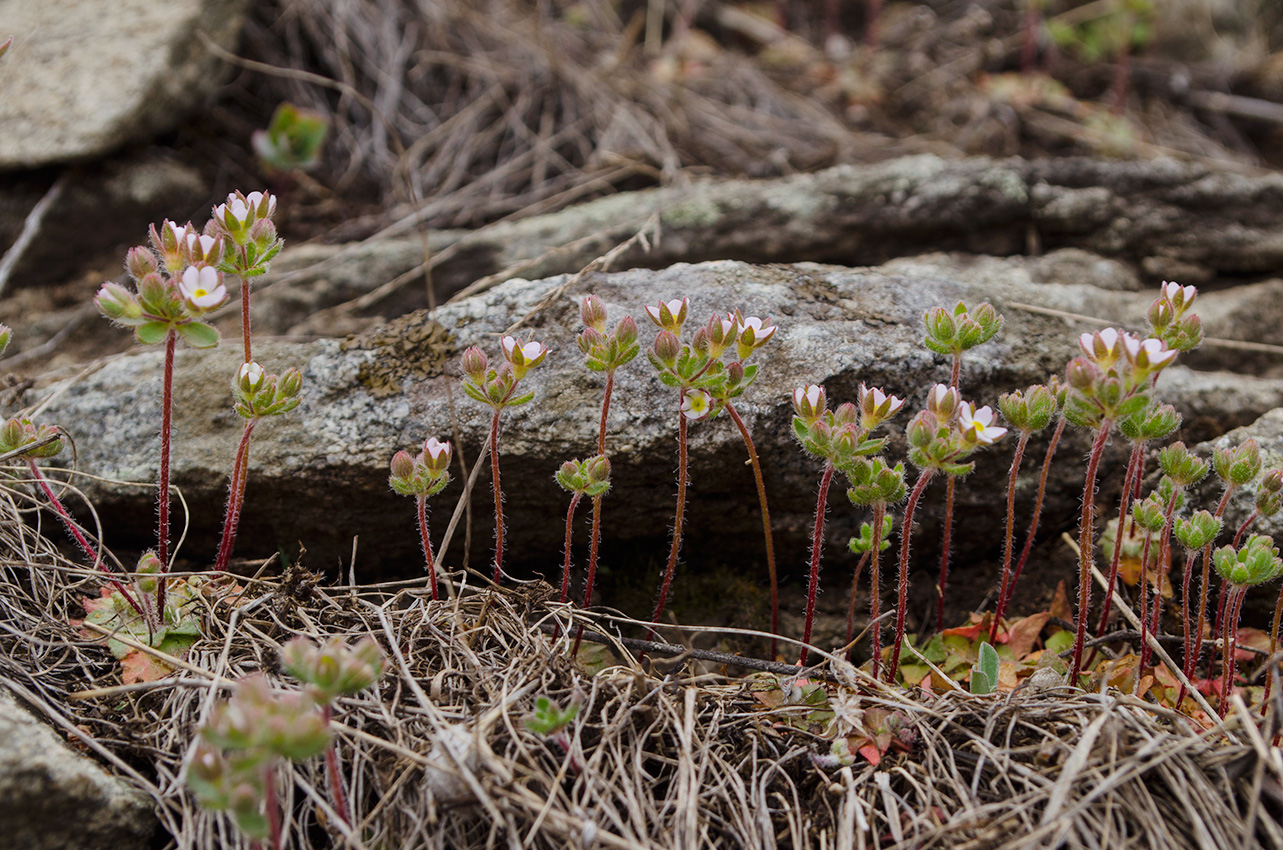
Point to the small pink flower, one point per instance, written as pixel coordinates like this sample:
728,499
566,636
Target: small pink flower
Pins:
1180,296
250,376
875,406
809,401
696,404
436,454
977,425
942,401
202,288
669,315
754,333
522,356
1148,355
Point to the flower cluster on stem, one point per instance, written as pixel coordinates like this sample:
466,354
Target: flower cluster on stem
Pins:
422,476
497,388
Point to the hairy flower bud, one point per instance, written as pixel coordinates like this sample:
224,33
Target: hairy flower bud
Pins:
1238,466
1180,464
1197,531
592,312
474,364
666,349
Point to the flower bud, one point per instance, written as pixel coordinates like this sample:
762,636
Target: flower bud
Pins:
148,567
1082,374
921,430
701,345
250,377
589,340
168,243
402,467
1180,464
119,304
1256,562
140,262
845,414
1155,423
943,402
1149,514
290,384
626,332
474,364
6,334
1197,531
592,312
941,330
666,349
570,476
1238,466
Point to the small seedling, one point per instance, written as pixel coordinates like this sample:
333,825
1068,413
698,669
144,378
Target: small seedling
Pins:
293,139
984,675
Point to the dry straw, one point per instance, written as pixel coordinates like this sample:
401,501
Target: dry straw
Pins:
439,757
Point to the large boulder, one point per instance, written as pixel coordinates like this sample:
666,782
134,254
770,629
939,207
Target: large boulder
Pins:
53,798
86,76
319,475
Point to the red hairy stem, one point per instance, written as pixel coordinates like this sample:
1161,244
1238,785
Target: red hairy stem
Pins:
592,567
855,587
166,426
1162,569
1274,647
906,529
1009,540
1191,559
74,530
1124,504
427,545
1242,529
1042,492
676,546
1086,550
946,540
766,522
817,547
875,592
498,496
245,332
594,540
1229,638
235,497
570,527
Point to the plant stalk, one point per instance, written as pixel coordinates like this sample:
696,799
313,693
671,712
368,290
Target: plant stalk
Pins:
902,597
680,512
1009,540
1086,547
235,497
766,522
817,547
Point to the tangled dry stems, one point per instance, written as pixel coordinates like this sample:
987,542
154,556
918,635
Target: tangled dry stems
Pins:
439,755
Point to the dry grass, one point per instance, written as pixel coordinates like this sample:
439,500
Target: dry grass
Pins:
456,113
440,757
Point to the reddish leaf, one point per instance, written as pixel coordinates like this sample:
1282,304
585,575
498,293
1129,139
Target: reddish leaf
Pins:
1024,633
971,631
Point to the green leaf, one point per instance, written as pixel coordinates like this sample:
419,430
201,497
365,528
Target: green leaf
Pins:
150,333
198,334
